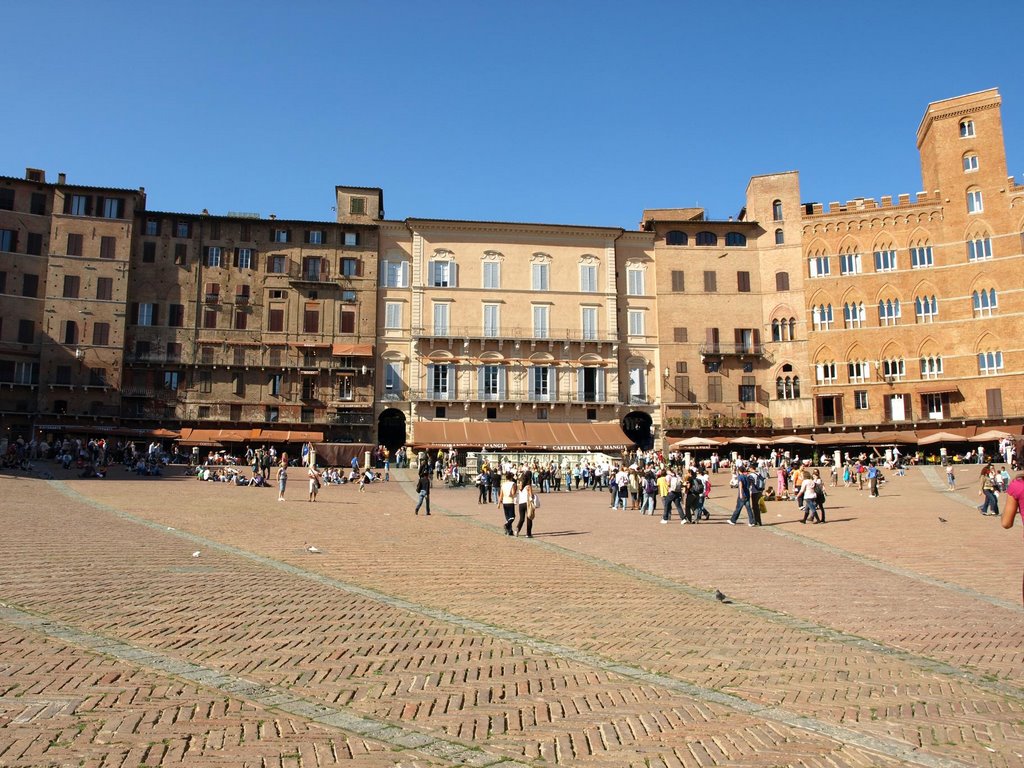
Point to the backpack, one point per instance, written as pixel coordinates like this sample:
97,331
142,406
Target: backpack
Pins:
758,484
696,487
651,486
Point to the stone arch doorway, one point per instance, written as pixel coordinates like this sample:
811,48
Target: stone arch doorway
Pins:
637,426
391,429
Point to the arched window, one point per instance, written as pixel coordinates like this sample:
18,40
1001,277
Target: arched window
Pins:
780,388
796,387
926,308
821,317
966,129
974,202
737,239
853,315
776,331
777,210
970,162
675,237
792,328
889,312
931,367
985,302
707,238
780,239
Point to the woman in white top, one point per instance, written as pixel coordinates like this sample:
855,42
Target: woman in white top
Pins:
808,497
507,498
525,500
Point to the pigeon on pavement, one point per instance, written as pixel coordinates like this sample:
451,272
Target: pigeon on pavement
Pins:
312,550
719,596
196,553
943,520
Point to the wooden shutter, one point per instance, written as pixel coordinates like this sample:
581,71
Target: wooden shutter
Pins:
993,402
678,280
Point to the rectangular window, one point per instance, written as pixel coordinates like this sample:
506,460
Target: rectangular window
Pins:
396,274
29,285
244,260
74,245
238,384
213,255
71,283
921,257
994,403
182,229
176,315
979,249
70,332
393,315
393,377
37,204
490,382
97,377
6,199
180,254
277,264
588,278
357,206
101,334
540,383
81,205
9,241
210,317
350,267
492,274
678,281
714,389
350,238
885,261
63,374
540,321
3,282
240,319
439,378
276,380
141,349
588,317
205,382
440,318
273,414
682,390
743,282
34,245
441,274
147,314
635,282
636,322
492,324
748,389
311,320
782,281
860,399
280,235
173,352
850,264
113,208
170,380
710,281
680,335
152,227
931,367
26,331
148,253
347,323
974,204
315,236
108,246
539,277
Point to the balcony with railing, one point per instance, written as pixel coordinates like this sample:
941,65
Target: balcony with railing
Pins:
516,395
719,349
514,333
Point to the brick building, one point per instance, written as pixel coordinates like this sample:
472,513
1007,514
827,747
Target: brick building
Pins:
790,317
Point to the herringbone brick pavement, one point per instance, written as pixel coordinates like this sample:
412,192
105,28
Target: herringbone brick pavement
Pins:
574,648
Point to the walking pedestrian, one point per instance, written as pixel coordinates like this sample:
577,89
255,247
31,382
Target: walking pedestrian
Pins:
1015,497
507,497
423,489
990,506
314,482
743,497
808,496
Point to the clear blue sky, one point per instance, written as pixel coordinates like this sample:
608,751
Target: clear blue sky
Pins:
567,112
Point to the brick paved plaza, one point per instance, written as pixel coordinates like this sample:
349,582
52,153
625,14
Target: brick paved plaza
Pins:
885,637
